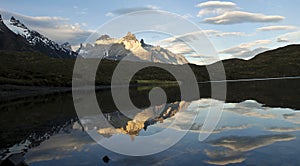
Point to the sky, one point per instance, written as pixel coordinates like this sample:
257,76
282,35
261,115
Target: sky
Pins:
236,29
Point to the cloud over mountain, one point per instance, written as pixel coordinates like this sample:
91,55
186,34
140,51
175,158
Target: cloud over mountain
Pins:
58,29
245,50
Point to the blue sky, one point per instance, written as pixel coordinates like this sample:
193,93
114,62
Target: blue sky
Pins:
237,29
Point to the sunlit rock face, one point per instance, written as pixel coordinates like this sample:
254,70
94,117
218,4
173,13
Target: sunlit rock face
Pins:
130,42
134,127
132,49
146,118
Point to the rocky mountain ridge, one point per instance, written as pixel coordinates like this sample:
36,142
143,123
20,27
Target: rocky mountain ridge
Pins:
34,41
130,48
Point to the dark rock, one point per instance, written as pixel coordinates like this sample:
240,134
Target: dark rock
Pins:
142,43
106,159
14,160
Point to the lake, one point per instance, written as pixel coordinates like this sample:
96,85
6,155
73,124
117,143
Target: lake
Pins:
259,125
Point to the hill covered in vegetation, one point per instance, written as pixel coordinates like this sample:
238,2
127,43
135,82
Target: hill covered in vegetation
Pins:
34,68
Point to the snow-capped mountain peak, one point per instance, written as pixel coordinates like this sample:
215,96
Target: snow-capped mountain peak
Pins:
130,42
131,48
17,23
39,41
17,27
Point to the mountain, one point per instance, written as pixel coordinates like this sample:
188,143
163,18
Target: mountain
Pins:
131,48
30,68
140,121
12,41
67,46
14,35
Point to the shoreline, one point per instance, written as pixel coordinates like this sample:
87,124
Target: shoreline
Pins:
11,91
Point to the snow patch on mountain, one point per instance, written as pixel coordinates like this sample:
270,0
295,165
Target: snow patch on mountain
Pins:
17,27
39,41
131,48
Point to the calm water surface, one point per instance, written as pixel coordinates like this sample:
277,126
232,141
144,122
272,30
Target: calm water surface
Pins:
253,130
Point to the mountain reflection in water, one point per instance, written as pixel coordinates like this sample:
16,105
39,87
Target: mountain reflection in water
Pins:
253,129
239,138
142,119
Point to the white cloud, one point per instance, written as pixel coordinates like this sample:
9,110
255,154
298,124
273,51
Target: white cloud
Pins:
292,37
210,32
216,4
60,146
231,34
223,34
109,14
250,108
80,11
215,7
224,157
187,16
184,37
153,7
129,10
236,147
255,43
278,27
283,129
196,128
292,117
245,51
248,54
61,33
282,40
56,28
201,59
179,48
196,55
39,21
235,17
176,44
247,143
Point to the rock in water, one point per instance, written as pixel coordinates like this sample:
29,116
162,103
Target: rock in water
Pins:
106,159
